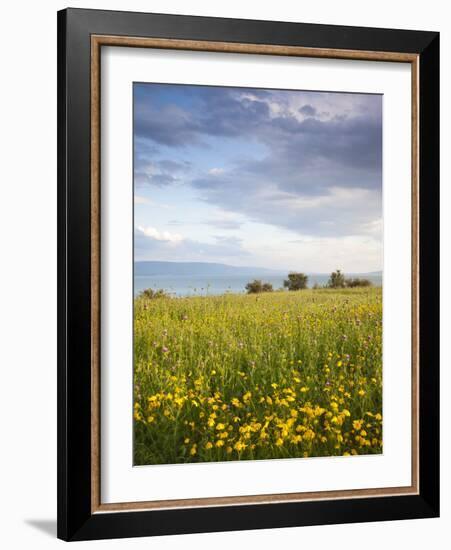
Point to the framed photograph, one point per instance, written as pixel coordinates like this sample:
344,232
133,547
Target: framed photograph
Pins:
248,274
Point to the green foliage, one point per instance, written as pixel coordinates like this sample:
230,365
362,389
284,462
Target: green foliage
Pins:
356,282
336,280
292,374
257,286
296,281
151,294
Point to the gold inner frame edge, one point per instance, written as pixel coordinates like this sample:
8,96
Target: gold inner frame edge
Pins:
97,41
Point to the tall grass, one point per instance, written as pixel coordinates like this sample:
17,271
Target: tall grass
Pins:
233,377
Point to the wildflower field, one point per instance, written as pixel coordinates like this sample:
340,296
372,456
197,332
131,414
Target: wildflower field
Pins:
248,377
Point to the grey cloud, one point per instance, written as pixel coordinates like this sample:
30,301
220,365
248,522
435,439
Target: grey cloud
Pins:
230,112
221,112
305,162
163,179
334,211
307,110
336,147
158,172
168,126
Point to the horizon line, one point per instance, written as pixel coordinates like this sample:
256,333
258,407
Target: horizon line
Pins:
290,270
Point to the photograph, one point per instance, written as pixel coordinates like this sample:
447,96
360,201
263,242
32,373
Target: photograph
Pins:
258,267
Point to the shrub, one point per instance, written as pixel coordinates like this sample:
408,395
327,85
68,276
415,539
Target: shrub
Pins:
296,281
336,280
356,282
151,294
256,286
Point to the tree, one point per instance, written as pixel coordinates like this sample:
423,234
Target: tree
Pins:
296,281
256,286
267,287
336,280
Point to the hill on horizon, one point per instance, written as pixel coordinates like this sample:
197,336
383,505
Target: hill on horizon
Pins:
197,269
152,268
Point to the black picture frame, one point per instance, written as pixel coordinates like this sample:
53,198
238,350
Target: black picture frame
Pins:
75,518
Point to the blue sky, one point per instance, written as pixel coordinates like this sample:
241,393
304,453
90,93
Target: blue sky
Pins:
271,178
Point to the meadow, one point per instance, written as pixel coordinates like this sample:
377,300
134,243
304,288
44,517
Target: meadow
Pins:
248,377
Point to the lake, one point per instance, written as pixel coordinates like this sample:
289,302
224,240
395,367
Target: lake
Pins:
185,285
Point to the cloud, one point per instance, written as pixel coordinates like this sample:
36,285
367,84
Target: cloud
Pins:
336,211
223,240
320,172
307,110
165,236
167,125
220,223
214,112
152,244
197,112
353,254
158,172
228,224
215,171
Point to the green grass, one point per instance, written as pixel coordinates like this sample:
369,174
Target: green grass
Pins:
276,375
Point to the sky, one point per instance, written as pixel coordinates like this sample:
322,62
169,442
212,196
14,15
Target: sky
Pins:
278,179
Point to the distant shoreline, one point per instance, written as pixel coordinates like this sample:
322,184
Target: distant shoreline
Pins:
192,291
197,278
153,268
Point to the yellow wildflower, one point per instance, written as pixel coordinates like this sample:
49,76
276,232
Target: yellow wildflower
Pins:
357,424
